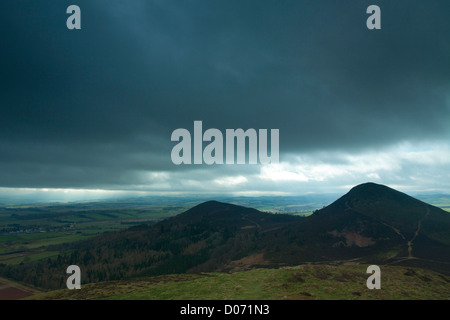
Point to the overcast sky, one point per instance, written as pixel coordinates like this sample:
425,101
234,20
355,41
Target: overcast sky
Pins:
95,108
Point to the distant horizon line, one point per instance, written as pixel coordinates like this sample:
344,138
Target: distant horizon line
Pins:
105,192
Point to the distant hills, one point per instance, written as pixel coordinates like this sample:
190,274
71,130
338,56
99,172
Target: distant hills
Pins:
370,224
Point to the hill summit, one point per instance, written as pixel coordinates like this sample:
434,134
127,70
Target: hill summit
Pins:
215,214
379,223
402,213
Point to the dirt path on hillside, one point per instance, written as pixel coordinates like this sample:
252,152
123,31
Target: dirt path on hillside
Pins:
395,230
410,242
10,290
257,225
419,226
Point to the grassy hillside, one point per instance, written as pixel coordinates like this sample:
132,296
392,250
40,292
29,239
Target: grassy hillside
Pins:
306,282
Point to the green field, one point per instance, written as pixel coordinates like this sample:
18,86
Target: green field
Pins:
27,231
306,282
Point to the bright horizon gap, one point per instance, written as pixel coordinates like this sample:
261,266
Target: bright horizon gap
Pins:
250,193
28,190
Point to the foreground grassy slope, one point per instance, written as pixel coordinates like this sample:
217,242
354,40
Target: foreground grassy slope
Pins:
322,282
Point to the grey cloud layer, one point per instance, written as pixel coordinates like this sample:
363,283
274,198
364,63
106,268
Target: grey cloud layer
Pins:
96,107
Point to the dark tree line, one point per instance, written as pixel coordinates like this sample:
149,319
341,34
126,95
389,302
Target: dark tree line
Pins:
139,251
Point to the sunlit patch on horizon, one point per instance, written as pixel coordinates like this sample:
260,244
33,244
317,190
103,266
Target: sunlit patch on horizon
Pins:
231,181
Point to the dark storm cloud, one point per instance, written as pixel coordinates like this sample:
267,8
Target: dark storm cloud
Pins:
96,107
